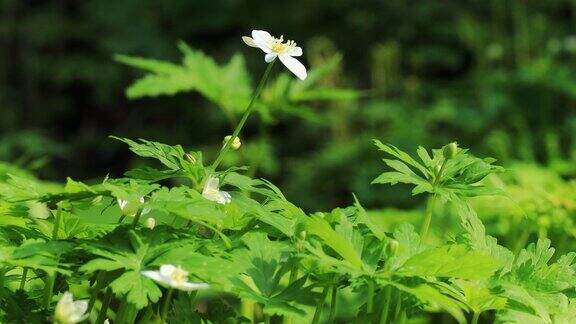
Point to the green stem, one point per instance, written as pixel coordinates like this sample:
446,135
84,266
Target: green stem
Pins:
333,299
136,218
166,305
386,306
49,289
370,303
56,228
266,318
23,278
318,311
121,312
105,305
244,117
427,217
475,317
97,286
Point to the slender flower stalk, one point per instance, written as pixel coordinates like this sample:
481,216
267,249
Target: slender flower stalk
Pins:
244,118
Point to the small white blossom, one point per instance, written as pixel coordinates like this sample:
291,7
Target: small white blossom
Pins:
38,210
276,47
235,143
69,311
106,321
150,223
174,277
130,207
212,191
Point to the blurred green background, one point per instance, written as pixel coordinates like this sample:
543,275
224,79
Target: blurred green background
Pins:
498,76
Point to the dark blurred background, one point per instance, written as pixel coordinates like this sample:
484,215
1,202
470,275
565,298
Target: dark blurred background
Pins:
498,76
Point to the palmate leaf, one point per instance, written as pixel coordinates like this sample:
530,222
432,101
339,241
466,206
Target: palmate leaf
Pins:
478,296
228,86
138,290
434,299
131,251
453,261
265,263
316,225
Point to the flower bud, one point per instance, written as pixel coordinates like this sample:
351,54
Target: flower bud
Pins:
392,247
150,223
130,207
38,210
235,143
302,235
449,151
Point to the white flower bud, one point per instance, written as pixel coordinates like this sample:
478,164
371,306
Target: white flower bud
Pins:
131,207
38,210
150,223
69,311
235,143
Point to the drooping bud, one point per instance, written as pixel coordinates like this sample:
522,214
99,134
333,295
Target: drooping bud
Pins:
150,223
449,151
130,207
38,210
392,247
235,143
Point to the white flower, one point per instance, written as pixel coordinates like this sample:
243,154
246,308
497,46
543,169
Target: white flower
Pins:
130,207
235,143
150,223
106,321
276,47
69,311
213,193
175,277
38,210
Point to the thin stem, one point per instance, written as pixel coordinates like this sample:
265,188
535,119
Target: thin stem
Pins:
475,317
266,319
318,311
23,278
430,206
370,304
56,228
97,286
244,117
333,300
427,217
136,218
105,305
386,306
49,289
166,305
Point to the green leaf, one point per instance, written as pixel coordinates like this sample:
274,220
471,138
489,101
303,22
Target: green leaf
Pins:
453,261
138,290
315,225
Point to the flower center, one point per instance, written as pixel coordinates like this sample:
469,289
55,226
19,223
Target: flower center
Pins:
179,276
279,46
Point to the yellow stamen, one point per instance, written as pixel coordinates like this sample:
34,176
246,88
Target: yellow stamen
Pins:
179,275
279,46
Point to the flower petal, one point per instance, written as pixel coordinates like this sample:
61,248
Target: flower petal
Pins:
80,307
249,41
193,286
262,39
296,51
270,57
294,66
166,270
224,198
154,275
